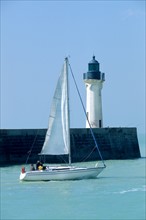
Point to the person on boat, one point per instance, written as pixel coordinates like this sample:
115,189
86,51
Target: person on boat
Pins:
38,164
32,168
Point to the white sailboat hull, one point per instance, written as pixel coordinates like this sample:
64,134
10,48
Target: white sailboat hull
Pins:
70,173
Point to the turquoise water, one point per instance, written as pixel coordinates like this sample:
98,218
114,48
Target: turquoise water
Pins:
118,193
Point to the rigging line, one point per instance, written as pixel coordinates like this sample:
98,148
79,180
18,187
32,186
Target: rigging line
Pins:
29,152
61,157
89,154
86,115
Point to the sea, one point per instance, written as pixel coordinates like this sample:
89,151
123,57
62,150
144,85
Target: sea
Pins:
118,193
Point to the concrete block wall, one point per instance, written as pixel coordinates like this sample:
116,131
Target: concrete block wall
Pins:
114,143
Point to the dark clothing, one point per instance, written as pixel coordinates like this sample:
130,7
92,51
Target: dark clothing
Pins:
38,164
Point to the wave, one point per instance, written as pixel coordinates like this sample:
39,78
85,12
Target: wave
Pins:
141,189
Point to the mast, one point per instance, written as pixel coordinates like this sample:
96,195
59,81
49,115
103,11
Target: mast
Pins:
68,110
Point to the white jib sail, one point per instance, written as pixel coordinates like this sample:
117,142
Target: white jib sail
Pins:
57,139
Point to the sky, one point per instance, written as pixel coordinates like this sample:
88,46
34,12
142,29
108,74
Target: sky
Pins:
36,36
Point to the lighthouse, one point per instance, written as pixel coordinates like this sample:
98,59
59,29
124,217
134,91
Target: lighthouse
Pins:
94,81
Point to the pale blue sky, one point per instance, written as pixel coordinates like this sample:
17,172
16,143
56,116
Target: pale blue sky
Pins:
37,35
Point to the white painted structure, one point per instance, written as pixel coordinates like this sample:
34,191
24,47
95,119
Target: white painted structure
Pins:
94,81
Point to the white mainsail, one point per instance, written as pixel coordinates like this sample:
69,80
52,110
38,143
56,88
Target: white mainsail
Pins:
57,139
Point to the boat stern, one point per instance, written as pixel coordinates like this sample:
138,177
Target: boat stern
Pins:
22,174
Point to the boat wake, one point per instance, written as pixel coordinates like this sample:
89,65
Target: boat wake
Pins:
140,189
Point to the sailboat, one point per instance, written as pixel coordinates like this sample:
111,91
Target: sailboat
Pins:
57,140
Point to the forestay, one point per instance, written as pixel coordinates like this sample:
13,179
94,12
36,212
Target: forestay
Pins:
57,139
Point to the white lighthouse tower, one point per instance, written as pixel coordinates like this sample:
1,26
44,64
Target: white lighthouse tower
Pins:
94,80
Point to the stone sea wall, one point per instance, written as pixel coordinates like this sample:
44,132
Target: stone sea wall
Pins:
114,143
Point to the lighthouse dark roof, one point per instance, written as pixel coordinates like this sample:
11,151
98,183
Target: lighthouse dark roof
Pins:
93,70
93,60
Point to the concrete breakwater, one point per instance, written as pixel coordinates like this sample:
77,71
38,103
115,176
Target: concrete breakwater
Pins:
114,143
